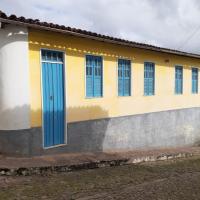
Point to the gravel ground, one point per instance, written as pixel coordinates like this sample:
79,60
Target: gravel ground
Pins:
167,180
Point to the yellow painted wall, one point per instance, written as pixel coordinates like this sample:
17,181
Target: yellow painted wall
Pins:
80,108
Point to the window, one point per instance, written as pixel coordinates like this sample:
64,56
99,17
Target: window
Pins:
93,76
178,79
194,80
53,56
149,76
124,77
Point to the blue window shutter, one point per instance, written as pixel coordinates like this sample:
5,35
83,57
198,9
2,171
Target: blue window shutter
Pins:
97,76
145,80
127,80
93,76
178,79
181,81
152,71
120,78
149,76
124,77
194,80
89,77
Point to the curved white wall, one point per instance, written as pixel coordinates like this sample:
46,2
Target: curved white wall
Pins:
14,78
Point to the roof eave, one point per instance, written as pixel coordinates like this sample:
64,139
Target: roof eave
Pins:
162,50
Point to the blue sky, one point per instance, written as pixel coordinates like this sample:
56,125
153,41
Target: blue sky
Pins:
167,23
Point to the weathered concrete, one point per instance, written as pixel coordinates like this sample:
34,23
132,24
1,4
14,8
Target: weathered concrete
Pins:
21,142
173,128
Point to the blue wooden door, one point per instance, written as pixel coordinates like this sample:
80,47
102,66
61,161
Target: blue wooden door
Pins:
53,98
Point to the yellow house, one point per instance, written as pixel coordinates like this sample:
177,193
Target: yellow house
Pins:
70,90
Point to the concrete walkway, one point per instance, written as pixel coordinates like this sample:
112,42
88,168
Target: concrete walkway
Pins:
70,162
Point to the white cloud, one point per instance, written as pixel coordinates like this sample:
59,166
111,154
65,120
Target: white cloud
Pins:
159,22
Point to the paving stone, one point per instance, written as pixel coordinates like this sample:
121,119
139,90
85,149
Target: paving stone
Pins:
72,162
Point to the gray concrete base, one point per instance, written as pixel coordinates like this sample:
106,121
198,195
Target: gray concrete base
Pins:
153,130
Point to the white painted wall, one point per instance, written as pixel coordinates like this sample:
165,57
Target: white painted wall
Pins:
14,78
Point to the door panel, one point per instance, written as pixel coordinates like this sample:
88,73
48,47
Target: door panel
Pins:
53,100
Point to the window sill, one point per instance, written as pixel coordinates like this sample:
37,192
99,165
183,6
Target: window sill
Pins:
124,96
94,97
150,95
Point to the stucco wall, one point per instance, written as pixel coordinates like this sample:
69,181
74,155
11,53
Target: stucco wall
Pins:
14,78
80,108
175,128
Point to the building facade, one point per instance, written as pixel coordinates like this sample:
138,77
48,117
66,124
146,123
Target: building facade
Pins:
68,90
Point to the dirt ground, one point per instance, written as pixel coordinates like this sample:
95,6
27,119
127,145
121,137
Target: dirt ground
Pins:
166,180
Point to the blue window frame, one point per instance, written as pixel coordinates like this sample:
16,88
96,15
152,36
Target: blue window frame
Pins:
149,78
53,56
94,73
124,77
194,80
178,79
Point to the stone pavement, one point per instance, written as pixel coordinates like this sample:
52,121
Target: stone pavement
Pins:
70,162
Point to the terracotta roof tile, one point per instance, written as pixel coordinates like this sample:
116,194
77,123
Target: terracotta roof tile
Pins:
30,22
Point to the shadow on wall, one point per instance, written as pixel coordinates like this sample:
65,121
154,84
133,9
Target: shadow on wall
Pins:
87,135
16,118
131,132
14,127
197,143
85,113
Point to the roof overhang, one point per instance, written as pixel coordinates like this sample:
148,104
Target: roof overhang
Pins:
102,38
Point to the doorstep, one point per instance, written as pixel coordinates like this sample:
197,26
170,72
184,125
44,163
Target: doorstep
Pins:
40,165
